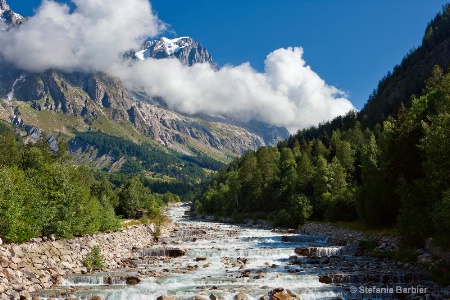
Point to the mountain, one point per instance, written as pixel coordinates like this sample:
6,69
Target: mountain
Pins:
185,49
8,18
409,77
70,104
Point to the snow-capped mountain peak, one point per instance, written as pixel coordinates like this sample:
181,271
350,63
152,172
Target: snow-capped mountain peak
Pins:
187,50
3,6
8,18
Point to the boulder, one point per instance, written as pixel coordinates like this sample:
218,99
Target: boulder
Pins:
241,296
200,258
132,280
164,297
280,296
325,279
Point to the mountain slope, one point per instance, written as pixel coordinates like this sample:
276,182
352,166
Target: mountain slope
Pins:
408,78
69,104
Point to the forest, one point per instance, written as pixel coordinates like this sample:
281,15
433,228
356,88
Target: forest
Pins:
385,166
394,174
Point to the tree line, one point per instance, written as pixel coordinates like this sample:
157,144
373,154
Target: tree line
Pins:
395,173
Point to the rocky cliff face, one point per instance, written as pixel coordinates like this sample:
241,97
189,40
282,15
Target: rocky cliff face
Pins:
61,102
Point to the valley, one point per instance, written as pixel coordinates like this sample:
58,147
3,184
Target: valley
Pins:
134,166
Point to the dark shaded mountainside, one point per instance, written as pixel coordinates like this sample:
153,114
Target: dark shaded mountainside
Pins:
386,166
99,115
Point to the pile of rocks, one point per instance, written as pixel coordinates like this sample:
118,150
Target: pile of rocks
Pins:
37,265
338,235
388,243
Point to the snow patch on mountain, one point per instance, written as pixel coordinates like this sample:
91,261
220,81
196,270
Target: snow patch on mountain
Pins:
169,46
11,94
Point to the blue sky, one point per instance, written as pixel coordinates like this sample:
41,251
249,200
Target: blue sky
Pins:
351,44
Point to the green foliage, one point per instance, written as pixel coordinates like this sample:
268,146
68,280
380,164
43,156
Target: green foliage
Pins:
40,195
406,254
282,218
441,272
151,158
441,220
135,196
94,259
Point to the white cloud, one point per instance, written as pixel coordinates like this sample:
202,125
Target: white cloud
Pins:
287,94
90,38
93,37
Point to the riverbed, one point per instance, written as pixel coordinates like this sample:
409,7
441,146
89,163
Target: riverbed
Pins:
210,260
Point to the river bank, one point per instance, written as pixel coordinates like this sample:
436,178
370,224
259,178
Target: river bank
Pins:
197,259
29,267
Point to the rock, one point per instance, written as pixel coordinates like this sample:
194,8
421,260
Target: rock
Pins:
302,251
59,280
280,296
96,298
215,297
293,260
241,296
16,251
198,297
200,258
325,279
292,294
132,280
164,297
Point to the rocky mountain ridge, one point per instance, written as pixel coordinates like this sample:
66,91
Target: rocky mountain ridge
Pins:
8,18
62,103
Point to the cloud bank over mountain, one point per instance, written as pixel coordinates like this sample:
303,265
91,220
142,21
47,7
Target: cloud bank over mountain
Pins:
87,39
94,36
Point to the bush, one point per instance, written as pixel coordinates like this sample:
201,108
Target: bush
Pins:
282,219
94,259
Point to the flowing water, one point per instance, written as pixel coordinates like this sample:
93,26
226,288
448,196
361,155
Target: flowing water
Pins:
220,259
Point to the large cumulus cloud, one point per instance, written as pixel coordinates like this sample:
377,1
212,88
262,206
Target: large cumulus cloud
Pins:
93,37
88,39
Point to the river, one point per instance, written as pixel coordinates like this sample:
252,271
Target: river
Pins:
220,261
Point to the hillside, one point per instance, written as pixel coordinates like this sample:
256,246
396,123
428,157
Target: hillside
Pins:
382,167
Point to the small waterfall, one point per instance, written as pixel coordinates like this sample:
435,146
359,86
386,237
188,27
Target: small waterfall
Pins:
80,280
324,251
161,252
189,232
177,239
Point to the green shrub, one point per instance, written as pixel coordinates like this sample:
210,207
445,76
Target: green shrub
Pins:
406,254
282,219
94,259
